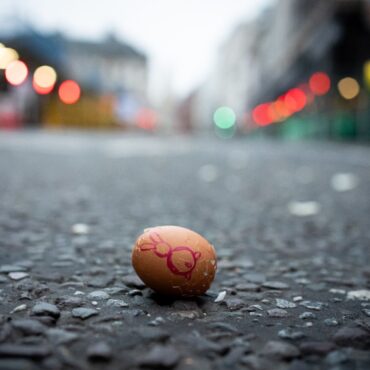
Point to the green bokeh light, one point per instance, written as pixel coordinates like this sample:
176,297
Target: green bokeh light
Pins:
224,118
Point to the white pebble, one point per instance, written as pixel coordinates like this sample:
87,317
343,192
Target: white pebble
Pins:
78,292
302,209
21,307
344,181
362,295
18,275
80,229
221,296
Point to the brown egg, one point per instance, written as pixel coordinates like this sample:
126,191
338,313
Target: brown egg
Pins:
175,261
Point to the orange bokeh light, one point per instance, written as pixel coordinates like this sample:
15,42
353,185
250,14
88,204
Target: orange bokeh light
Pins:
16,72
281,110
319,83
69,92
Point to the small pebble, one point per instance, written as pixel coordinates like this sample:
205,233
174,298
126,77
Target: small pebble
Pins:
234,304
98,295
362,295
312,305
352,337
290,334
78,292
331,322
283,303
18,275
344,181
80,229
303,209
307,315
277,313
275,285
29,326
157,321
116,303
280,350
220,297
21,307
46,309
84,313
337,357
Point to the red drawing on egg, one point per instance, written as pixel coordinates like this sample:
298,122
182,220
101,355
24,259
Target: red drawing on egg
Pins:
162,249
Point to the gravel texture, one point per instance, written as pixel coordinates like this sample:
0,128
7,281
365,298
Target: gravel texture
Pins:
292,289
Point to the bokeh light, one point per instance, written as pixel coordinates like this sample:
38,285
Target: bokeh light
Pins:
281,110
42,90
146,119
367,73
16,72
69,92
348,87
45,76
262,114
7,55
295,100
224,118
319,83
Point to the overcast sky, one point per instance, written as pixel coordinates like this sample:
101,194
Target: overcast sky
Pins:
180,36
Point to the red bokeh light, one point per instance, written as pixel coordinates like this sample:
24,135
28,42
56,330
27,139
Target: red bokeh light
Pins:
16,72
146,119
42,90
69,92
319,83
295,100
262,114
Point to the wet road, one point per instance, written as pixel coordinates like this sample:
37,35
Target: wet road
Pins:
289,221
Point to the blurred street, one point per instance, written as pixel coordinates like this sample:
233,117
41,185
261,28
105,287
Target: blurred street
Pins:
289,221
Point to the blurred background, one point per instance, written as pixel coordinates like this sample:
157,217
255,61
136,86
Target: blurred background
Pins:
291,68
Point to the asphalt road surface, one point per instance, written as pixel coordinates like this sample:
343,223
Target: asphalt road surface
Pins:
289,221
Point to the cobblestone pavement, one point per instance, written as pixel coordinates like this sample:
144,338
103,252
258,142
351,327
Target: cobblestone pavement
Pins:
290,223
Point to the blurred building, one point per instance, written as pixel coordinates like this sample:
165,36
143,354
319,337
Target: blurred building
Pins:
308,35
112,75
228,82
107,66
280,50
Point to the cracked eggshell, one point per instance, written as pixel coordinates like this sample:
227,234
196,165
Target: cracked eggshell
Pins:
173,260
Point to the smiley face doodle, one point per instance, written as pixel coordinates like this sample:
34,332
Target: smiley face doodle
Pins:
179,266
